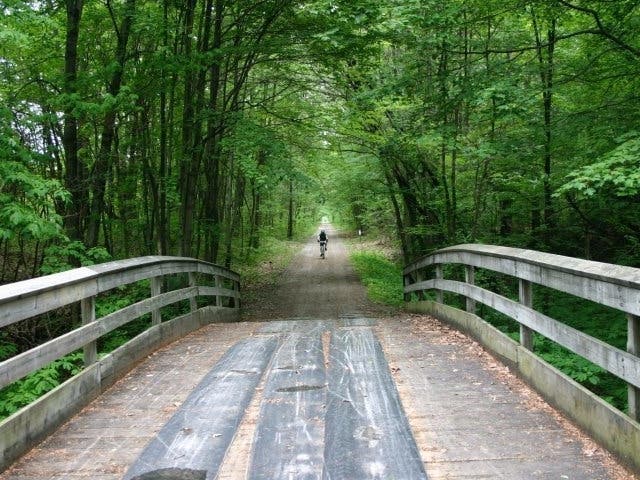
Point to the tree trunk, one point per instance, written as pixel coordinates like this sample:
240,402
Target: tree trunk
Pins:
215,127
235,217
103,163
162,223
291,212
188,167
73,181
407,254
545,51
444,123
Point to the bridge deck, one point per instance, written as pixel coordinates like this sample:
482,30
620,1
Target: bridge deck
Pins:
316,398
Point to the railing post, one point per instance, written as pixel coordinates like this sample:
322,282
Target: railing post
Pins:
156,289
525,294
193,302
469,277
236,300
406,282
633,347
420,276
218,285
88,313
439,276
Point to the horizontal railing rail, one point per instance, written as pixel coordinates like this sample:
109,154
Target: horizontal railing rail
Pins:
29,298
611,285
47,295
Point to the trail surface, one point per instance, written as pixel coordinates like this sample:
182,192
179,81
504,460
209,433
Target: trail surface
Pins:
312,287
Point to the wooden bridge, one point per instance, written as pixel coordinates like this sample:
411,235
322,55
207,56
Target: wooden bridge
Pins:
346,394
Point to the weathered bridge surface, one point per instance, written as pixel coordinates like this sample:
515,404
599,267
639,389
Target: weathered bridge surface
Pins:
342,395
469,418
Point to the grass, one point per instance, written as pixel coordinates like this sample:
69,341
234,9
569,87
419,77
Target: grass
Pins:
381,276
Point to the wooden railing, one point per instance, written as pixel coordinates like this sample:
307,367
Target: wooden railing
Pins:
30,298
611,285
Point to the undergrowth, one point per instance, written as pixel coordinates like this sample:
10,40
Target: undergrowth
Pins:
261,268
36,384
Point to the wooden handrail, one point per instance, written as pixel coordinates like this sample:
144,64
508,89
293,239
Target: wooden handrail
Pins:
26,299
615,286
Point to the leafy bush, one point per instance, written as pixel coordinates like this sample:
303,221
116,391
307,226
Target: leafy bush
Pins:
604,323
36,384
57,256
596,379
576,367
614,174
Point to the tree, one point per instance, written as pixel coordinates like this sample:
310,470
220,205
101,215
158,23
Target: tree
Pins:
74,171
199,127
103,161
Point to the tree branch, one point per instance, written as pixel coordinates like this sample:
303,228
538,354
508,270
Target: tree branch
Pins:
112,15
528,48
601,30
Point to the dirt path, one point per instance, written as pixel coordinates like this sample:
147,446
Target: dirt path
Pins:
312,287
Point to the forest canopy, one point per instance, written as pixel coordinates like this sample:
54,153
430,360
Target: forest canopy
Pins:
198,127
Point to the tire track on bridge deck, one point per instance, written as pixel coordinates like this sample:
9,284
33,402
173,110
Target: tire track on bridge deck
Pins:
326,413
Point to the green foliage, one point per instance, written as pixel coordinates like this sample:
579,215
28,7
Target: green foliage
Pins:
382,277
421,120
115,300
7,349
592,377
27,199
118,337
358,192
600,322
58,257
36,384
581,370
617,173
603,323
259,152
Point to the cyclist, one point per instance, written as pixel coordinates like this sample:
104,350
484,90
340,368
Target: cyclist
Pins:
323,240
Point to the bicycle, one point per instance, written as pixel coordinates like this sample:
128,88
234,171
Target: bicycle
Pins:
323,248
